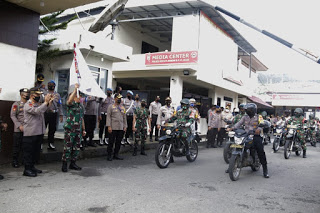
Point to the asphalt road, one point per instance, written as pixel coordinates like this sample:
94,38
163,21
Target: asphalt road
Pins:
138,185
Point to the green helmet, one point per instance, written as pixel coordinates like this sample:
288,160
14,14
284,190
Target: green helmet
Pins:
317,119
264,114
298,112
311,116
242,106
184,101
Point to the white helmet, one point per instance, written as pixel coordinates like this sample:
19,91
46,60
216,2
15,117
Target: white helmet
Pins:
236,110
192,101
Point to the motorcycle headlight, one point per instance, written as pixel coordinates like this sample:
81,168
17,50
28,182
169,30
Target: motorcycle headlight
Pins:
168,131
278,130
238,140
291,131
231,134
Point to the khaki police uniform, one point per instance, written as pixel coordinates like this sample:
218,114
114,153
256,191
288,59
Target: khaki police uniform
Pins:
102,111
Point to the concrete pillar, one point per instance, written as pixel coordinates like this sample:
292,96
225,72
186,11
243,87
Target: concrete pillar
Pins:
211,94
176,89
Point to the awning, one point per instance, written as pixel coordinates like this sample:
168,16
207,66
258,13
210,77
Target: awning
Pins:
260,103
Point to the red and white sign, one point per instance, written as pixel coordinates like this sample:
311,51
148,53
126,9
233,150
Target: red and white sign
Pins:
310,100
188,57
287,97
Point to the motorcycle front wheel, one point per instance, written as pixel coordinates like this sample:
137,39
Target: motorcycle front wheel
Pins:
234,167
276,144
193,151
256,166
161,156
227,152
287,149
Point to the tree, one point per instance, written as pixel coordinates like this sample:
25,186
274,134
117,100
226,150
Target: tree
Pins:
45,53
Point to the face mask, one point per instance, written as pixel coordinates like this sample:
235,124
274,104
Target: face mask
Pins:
157,100
108,94
27,97
51,87
184,107
137,99
129,97
192,105
227,111
119,101
36,99
250,113
168,103
143,104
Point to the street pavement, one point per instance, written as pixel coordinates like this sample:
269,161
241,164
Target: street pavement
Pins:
136,184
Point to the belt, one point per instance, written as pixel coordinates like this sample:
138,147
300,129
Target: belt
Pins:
103,113
154,114
131,114
52,111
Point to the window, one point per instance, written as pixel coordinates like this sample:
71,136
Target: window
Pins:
101,76
148,48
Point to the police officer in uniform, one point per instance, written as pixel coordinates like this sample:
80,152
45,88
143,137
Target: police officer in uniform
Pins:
137,102
38,84
154,112
51,115
102,112
128,104
117,125
140,120
90,119
17,117
251,123
165,113
3,127
33,130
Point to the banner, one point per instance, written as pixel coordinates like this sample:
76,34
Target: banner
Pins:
80,73
187,57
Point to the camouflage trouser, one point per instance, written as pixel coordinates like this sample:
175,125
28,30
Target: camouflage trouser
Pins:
141,133
302,139
71,145
313,135
318,135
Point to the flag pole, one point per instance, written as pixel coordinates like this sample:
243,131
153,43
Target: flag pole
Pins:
76,68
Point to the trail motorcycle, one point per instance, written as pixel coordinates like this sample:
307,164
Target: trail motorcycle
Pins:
279,137
171,145
243,154
266,133
292,142
227,151
308,135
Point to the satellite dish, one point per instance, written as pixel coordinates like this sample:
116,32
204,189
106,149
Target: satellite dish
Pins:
107,15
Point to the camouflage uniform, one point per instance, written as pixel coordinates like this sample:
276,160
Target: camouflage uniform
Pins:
184,117
72,131
300,131
312,123
142,115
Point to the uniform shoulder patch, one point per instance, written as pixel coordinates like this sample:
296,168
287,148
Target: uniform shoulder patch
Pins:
14,107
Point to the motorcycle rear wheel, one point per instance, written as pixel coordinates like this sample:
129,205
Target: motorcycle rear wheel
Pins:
193,151
234,167
256,166
227,152
287,151
276,144
161,158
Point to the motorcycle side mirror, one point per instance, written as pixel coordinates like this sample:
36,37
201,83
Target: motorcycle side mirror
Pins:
305,121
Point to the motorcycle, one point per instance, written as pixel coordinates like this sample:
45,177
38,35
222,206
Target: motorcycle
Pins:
292,142
279,140
243,154
266,139
308,135
171,145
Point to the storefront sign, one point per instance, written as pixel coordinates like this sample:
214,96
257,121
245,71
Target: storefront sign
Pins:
307,100
188,57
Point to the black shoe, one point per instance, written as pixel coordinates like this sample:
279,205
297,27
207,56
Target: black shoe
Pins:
151,140
35,170
143,152
74,166
156,139
64,167
208,145
117,157
29,173
171,160
15,164
1,177
265,171
304,153
134,152
92,144
109,158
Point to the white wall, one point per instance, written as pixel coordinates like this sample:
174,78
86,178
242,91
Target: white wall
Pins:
220,93
185,33
17,70
217,57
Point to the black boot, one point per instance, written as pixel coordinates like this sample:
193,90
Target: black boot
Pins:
142,151
117,157
64,167
74,166
304,153
34,169
28,172
208,144
135,151
109,158
15,164
265,171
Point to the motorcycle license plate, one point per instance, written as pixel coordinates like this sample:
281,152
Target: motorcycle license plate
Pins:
236,146
276,134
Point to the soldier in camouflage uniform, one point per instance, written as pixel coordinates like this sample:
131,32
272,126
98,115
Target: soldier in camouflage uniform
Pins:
242,112
297,119
312,123
317,129
139,125
186,117
73,130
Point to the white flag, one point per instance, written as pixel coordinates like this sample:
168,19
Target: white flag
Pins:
88,84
